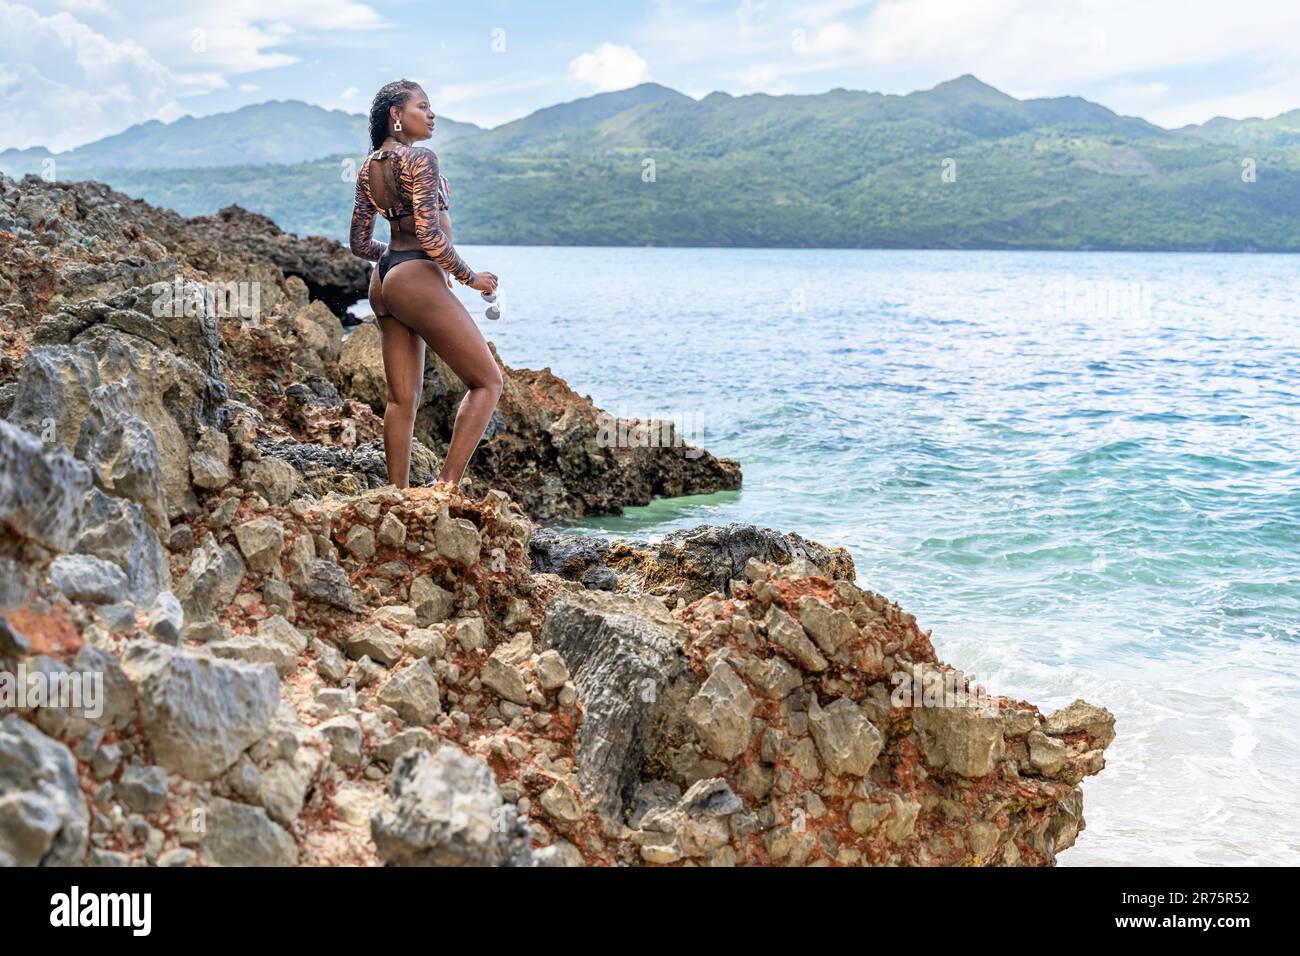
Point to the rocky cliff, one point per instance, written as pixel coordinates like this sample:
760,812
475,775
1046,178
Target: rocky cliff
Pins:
225,640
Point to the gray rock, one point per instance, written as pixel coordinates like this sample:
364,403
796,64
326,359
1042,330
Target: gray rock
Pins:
962,739
167,619
413,738
699,560
721,713
199,712
504,679
210,460
261,541
432,603
117,694
143,789
323,580
240,835
273,479
629,669
847,741
447,811
376,642
785,632
286,783
41,493
1097,722
116,530
43,815
344,736
211,582
85,578
458,540
412,691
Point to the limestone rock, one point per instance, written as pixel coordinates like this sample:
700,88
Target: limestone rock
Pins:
240,835
199,713
447,811
43,815
721,713
846,740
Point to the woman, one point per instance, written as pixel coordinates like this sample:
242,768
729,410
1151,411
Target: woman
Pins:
410,290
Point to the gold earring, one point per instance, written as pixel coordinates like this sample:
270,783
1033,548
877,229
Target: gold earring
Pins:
397,126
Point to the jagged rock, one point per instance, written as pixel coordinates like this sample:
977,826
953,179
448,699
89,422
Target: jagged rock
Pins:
43,815
626,659
200,713
552,673
85,578
830,629
115,529
1096,722
689,563
210,460
695,826
240,835
458,540
504,679
143,789
128,390
323,580
344,736
262,542
412,691
167,619
432,603
211,582
412,738
1046,754
847,741
41,493
721,713
448,811
348,471
784,631
376,642
275,480
963,739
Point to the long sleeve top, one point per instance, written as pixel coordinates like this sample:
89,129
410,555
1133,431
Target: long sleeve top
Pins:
422,192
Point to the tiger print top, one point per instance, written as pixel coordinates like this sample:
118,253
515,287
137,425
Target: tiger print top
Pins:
421,192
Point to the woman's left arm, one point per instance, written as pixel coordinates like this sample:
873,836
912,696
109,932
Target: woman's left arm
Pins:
363,220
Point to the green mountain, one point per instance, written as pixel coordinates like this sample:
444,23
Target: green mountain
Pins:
962,165
279,131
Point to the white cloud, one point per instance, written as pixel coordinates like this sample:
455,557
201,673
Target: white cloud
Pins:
609,67
1211,56
239,36
65,83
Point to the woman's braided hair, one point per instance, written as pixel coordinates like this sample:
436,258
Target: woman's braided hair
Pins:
390,95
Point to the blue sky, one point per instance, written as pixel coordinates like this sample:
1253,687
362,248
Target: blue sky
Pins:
72,71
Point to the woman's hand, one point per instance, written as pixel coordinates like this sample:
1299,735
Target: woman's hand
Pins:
484,282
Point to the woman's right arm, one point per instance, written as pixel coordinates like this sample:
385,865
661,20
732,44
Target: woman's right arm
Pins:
363,220
421,173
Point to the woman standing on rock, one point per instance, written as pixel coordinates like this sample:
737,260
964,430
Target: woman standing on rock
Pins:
410,290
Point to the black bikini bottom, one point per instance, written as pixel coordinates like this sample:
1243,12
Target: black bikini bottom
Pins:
393,257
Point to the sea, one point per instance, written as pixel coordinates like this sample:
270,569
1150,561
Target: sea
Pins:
1080,470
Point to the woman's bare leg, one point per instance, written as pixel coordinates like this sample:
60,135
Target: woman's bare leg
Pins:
403,353
416,294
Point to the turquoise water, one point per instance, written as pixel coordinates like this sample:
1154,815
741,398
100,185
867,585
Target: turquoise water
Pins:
1081,470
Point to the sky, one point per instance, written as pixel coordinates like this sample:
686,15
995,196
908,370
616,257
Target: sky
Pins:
73,71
